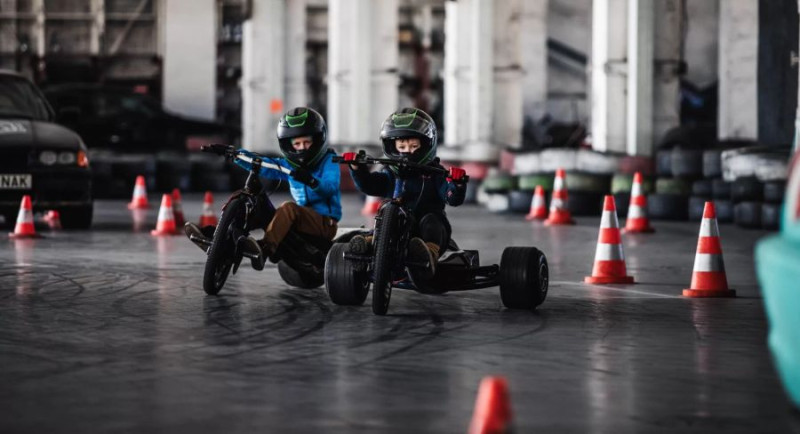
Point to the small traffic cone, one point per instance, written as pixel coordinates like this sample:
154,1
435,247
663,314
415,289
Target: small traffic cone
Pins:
538,208
139,200
177,208
53,219
637,221
371,206
708,275
24,227
559,214
609,259
166,220
492,414
208,218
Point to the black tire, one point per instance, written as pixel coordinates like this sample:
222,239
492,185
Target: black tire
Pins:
524,277
747,189
220,254
720,189
667,207
299,280
724,209
664,162
675,186
747,214
520,201
696,207
77,218
345,285
384,242
687,163
703,188
583,203
774,191
770,216
712,163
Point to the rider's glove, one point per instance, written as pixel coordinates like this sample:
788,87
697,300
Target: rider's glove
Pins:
303,175
349,156
457,175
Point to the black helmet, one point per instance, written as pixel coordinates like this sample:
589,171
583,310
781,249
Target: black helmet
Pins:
299,122
408,123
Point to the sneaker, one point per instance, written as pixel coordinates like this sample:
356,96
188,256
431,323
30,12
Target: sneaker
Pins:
252,248
197,235
423,259
359,245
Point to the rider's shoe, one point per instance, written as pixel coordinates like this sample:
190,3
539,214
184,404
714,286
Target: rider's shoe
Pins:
424,258
200,236
252,248
359,245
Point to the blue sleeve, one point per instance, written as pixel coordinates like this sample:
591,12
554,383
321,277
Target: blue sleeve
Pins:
379,184
329,182
265,173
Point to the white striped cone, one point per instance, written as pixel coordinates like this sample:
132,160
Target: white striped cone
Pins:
637,221
559,214
139,200
538,209
208,218
24,227
609,259
166,220
708,275
371,206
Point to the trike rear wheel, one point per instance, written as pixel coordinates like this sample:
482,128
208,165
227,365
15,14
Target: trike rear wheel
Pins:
524,277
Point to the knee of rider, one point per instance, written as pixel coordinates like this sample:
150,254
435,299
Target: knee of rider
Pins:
288,208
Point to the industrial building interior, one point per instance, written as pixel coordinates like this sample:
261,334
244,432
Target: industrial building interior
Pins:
483,216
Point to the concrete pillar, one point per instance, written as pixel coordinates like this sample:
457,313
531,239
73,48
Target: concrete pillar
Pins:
457,61
481,87
738,78
190,64
263,74
666,79
640,78
534,58
362,68
609,70
508,97
384,68
296,37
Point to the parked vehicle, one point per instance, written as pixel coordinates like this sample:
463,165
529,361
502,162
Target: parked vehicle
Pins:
40,158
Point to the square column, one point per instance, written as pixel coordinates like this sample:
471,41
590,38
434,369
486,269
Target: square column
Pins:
609,75
738,69
296,36
640,78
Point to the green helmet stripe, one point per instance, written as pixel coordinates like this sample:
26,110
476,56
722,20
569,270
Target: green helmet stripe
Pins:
402,120
297,121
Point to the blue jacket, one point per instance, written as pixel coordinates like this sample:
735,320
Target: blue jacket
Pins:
326,199
423,193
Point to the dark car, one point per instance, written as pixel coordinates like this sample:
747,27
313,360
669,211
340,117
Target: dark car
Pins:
119,119
39,157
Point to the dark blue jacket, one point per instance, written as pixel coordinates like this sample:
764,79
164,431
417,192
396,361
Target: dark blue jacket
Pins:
326,199
423,193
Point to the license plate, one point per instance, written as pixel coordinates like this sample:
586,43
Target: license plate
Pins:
16,182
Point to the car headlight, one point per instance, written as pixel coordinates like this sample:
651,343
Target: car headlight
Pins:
48,158
66,158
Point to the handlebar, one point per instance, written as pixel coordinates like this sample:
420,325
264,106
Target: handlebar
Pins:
363,159
230,152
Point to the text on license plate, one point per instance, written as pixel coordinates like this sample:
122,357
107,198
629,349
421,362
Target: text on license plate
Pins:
16,182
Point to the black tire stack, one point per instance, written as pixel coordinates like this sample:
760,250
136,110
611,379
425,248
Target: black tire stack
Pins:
757,178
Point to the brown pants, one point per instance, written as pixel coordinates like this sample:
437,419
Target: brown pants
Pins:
302,219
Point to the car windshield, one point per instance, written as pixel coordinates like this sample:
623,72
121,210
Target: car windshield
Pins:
19,99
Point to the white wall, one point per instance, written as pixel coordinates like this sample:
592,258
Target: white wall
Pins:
190,48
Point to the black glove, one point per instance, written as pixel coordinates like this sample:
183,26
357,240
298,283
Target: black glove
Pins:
303,175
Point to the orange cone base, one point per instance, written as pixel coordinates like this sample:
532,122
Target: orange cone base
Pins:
559,219
708,293
647,230
23,236
608,279
531,217
157,233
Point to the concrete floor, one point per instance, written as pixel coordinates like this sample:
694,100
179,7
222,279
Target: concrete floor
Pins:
110,331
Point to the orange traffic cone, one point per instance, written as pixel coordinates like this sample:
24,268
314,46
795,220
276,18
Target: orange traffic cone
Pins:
559,214
609,259
538,209
53,219
637,221
166,221
708,276
177,208
24,227
139,200
492,413
208,218
371,206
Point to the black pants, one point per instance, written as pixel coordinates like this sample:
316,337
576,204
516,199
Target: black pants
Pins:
434,228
